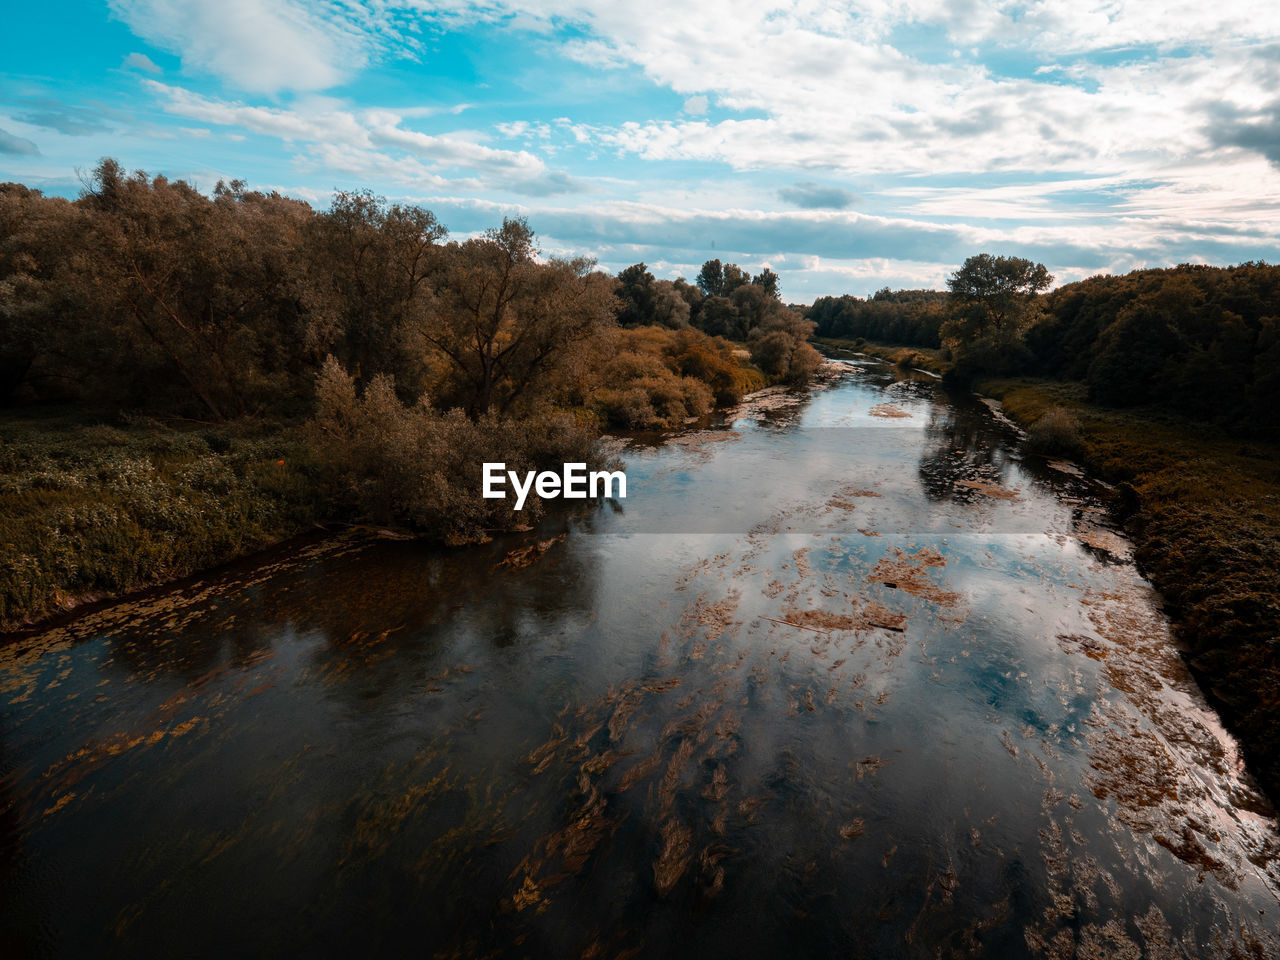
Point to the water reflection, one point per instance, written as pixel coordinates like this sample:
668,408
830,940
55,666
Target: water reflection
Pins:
821,687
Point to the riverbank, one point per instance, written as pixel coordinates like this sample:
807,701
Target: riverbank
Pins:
920,358
1204,514
94,506
93,510
1203,511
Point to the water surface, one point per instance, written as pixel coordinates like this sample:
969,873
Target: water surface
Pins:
845,675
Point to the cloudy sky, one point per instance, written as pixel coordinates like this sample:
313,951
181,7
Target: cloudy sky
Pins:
847,146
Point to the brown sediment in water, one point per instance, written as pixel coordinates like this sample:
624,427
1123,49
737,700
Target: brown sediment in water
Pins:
908,572
989,489
867,617
1132,739
1104,541
700,443
707,619
844,497
888,410
673,858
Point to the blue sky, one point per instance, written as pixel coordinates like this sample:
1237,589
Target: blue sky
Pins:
846,146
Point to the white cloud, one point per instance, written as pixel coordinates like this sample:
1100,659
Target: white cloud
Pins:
1090,133
254,45
140,61
696,106
373,142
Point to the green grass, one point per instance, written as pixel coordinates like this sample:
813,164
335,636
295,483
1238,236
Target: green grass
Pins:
93,507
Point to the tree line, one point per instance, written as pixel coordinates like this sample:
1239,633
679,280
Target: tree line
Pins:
911,317
1200,340
146,293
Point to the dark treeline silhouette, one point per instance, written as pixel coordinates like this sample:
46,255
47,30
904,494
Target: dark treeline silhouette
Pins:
911,317
1201,340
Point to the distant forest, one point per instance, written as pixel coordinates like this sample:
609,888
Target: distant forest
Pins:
1200,340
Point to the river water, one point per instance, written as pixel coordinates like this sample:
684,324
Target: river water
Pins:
845,674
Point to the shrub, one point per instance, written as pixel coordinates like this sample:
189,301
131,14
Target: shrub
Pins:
387,462
628,408
658,378
785,358
1056,432
804,362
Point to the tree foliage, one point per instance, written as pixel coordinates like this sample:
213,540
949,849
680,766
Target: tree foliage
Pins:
912,317
503,322
993,302
997,292
1200,340
147,294
725,301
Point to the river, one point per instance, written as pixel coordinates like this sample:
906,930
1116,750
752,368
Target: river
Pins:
844,674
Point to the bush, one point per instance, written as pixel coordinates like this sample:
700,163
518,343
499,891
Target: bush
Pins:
628,408
772,353
387,462
784,357
658,378
1056,433
804,361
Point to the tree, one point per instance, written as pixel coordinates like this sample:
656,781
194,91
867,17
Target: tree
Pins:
1138,350
199,292
502,322
993,301
635,295
767,280
670,309
997,291
372,263
44,297
734,277
710,279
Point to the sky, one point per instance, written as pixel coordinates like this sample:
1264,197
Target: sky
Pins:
846,146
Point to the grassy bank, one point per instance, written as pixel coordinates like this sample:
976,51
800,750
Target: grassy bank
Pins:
95,507
1203,510
94,504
